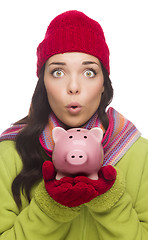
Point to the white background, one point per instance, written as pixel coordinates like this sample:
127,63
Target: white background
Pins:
22,27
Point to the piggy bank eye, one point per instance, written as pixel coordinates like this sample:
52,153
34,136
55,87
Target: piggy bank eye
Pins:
85,136
70,136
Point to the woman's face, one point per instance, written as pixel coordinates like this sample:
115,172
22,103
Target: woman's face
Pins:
74,83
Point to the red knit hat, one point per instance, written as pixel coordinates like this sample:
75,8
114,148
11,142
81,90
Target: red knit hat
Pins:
73,31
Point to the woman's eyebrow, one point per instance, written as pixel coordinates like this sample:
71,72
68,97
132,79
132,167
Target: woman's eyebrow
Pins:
57,63
89,62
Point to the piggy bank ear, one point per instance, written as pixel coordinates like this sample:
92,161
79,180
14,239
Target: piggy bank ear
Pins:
97,132
57,132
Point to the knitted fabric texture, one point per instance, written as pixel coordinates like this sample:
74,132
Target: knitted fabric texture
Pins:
12,132
119,137
73,31
74,191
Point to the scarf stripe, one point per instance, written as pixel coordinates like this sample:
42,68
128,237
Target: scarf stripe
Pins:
119,137
124,134
11,133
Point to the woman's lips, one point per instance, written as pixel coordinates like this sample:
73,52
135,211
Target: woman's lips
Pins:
74,108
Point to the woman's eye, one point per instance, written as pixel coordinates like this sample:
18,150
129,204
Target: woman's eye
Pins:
90,73
57,73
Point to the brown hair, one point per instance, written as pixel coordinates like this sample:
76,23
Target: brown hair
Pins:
27,141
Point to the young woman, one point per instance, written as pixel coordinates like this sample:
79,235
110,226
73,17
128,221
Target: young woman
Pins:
73,90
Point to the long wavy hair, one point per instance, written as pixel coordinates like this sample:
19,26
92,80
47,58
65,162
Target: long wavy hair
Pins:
27,141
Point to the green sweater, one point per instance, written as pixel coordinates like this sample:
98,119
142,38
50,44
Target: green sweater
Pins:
121,213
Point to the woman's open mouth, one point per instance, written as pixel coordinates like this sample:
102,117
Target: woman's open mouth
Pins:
74,108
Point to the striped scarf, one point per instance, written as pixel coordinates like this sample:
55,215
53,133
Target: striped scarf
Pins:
119,137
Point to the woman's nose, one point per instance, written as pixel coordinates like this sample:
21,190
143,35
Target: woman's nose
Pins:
73,86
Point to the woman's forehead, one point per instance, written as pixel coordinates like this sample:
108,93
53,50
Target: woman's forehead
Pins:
70,57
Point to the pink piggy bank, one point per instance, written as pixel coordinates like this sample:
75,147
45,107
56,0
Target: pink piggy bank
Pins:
77,151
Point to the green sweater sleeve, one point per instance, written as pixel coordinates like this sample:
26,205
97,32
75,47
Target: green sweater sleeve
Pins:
122,212
31,222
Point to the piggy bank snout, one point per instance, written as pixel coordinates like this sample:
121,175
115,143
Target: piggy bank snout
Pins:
76,157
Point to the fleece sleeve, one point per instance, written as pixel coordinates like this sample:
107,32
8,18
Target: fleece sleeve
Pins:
31,222
122,212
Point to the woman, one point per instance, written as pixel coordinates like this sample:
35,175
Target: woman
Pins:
73,90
